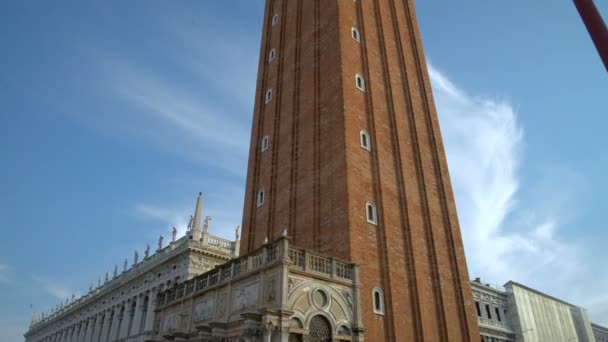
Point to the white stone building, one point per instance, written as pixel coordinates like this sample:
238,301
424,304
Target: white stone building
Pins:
122,307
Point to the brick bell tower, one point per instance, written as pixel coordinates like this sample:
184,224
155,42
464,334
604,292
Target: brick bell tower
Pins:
346,155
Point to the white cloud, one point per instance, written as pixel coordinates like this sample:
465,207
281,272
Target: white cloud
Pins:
53,288
4,270
222,202
509,236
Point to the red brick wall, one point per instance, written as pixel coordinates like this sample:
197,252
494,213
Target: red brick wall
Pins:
317,178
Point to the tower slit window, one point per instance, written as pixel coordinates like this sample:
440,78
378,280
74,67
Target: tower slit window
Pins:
355,34
265,143
372,216
271,55
261,198
378,298
275,19
359,82
268,95
365,140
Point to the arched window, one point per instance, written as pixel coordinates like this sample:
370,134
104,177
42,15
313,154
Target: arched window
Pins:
268,95
372,216
378,298
264,143
275,19
319,329
260,198
271,55
359,82
365,141
356,35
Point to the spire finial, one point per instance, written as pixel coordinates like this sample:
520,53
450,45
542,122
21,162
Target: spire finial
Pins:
195,229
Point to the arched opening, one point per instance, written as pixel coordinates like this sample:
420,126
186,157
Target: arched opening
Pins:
371,213
365,140
378,297
319,329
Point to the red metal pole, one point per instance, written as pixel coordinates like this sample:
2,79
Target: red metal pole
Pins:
596,27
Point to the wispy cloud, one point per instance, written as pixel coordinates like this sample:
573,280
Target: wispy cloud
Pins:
53,288
4,273
223,203
509,236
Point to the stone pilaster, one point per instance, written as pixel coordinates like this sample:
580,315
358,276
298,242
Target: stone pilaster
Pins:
115,322
82,330
149,324
139,309
97,329
126,320
90,322
105,330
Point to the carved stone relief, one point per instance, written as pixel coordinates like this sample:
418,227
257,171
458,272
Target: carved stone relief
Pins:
200,262
245,297
171,322
292,283
203,311
271,290
221,305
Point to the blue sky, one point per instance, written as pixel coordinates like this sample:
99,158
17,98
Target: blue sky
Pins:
114,115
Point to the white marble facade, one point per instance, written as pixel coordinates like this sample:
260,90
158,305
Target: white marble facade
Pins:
122,308
276,293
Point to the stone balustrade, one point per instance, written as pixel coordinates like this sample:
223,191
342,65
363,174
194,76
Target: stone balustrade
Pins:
265,256
494,324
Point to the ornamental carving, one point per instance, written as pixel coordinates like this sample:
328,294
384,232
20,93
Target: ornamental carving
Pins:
200,262
171,322
204,310
245,296
271,292
221,305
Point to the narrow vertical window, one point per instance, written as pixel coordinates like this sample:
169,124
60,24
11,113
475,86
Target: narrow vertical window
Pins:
271,55
275,19
268,95
260,198
478,309
365,141
378,299
360,82
488,311
370,209
264,143
356,35
497,314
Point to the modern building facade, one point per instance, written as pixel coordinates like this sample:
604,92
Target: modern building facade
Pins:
346,155
517,313
599,332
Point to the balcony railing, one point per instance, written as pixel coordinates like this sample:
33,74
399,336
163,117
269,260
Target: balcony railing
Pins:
266,255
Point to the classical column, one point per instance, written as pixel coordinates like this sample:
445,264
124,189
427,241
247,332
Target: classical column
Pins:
97,329
150,314
126,319
82,331
87,336
70,337
115,322
139,309
105,330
